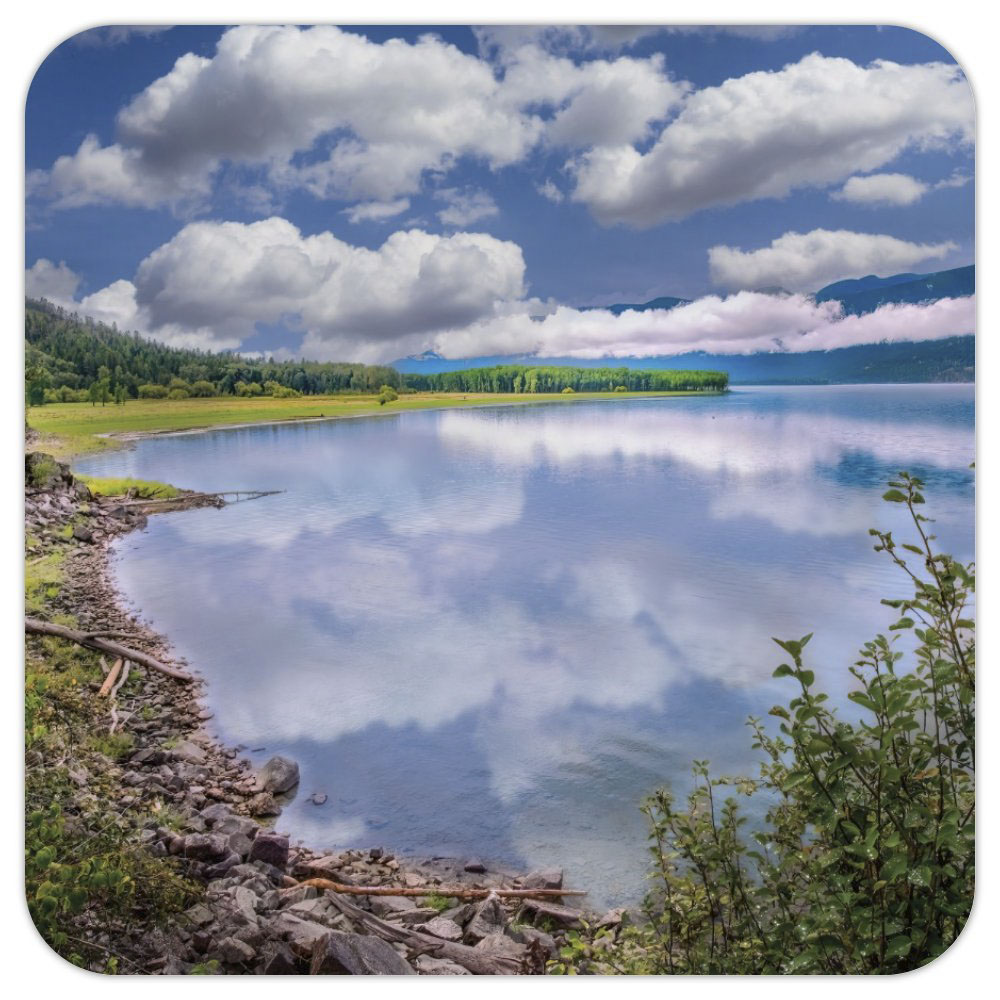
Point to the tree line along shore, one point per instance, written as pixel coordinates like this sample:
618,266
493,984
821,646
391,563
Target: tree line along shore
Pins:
72,359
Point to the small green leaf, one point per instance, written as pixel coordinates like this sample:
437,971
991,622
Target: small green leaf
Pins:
894,496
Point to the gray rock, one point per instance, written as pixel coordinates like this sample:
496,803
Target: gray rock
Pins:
82,534
280,961
386,906
188,752
240,844
475,867
500,944
439,967
222,867
562,916
317,798
444,928
544,878
357,955
235,952
278,775
301,935
263,804
531,935
271,848
489,918
205,846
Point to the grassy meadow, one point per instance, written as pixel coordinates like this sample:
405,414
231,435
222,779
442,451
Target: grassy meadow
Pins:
68,429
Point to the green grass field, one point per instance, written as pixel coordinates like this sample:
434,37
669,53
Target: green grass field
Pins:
68,429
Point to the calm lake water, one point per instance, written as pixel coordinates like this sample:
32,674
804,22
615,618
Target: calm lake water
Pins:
492,631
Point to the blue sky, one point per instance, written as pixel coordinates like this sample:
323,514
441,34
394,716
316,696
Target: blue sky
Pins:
372,192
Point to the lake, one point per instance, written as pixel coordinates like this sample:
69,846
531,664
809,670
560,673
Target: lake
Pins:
490,632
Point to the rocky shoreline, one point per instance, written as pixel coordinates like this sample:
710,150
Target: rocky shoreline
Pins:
210,810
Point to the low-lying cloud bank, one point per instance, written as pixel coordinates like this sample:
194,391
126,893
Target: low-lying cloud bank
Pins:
464,295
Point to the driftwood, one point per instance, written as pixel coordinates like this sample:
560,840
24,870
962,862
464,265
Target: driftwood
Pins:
114,697
112,676
151,505
457,892
478,962
38,627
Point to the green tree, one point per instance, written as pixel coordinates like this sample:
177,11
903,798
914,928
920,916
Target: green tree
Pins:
866,862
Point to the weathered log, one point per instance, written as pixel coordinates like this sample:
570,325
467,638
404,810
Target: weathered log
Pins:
478,962
112,676
38,627
114,697
458,892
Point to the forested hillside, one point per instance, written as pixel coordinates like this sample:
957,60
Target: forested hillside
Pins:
533,378
67,356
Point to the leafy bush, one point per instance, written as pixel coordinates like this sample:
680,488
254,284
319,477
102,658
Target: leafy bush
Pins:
178,394
152,391
202,388
621,388
568,389
387,395
867,860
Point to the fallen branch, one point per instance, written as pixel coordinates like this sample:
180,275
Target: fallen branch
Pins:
478,962
112,676
38,627
461,892
114,697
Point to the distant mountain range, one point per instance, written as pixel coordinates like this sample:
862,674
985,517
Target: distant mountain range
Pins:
948,360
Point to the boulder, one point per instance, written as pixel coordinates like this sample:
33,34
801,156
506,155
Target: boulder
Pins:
263,804
561,916
387,906
475,867
82,534
489,918
342,954
278,775
279,961
188,752
544,878
235,952
271,848
443,928
205,846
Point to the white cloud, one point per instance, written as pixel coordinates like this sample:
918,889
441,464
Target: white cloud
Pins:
744,323
808,261
550,191
272,95
465,207
882,189
462,295
55,282
117,34
376,211
814,123
214,281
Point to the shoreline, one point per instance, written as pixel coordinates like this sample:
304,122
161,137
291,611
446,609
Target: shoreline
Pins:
220,823
120,438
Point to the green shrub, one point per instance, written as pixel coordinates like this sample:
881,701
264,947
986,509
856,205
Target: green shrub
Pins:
621,388
387,395
568,388
178,394
202,388
152,391
866,862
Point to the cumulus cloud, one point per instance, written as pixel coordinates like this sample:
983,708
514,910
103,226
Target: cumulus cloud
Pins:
321,109
882,189
465,207
214,281
55,282
808,261
812,124
462,295
894,189
376,211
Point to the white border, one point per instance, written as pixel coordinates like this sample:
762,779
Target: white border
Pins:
31,32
